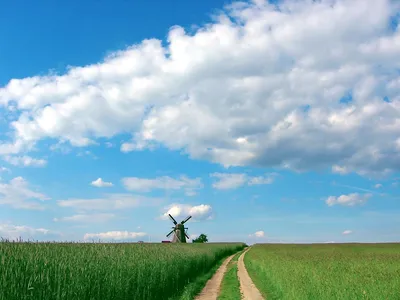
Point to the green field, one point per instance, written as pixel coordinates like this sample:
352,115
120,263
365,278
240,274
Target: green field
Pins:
106,271
328,271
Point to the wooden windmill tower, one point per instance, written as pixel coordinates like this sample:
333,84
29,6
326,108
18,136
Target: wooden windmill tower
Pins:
179,230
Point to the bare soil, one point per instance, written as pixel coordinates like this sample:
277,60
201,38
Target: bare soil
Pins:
247,288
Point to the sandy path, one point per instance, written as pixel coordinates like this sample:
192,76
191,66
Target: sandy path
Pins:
211,290
247,288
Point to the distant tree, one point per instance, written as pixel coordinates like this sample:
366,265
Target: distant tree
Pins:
202,238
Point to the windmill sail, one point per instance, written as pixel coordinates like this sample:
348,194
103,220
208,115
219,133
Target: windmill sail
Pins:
187,219
173,220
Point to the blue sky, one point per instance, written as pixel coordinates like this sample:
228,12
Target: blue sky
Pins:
267,122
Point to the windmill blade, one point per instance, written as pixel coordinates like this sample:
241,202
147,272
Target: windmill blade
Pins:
187,236
170,233
187,219
173,220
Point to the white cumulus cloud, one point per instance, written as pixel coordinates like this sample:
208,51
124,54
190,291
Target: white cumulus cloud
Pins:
258,234
100,183
347,232
181,211
259,86
348,200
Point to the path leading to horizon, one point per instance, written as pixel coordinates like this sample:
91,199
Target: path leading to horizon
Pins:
247,288
212,288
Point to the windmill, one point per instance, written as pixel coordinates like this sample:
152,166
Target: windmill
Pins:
180,234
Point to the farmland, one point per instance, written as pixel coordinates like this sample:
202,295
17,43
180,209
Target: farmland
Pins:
328,271
180,271
105,271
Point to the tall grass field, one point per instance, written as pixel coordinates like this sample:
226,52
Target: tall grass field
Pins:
77,271
328,271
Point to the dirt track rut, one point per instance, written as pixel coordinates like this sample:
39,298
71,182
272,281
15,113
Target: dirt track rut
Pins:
247,288
211,290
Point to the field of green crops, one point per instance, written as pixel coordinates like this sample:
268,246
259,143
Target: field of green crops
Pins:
104,271
329,271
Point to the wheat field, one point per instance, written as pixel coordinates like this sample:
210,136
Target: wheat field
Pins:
104,271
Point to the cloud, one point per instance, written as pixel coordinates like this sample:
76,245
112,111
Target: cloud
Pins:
129,147
263,86
348,200
378,186
342,170
61,147
87,218
115,235
17,194
346,232
260,180
109,202
13,232
228,181
258,234
25,161
181,211
165,182
4,169
234,180
100,183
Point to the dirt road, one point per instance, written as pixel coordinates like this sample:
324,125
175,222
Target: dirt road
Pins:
247,287
211,290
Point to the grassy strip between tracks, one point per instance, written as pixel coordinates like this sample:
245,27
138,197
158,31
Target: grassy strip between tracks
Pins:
230,287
